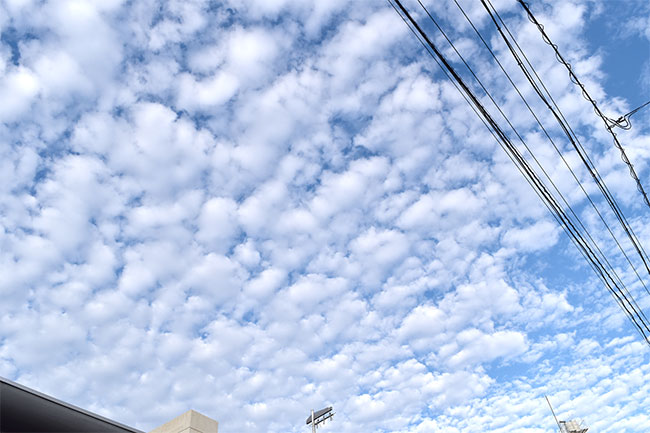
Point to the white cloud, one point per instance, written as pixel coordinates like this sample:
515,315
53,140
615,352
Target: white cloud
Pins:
218,224
20,87
539,236
206,93
257,208
476,347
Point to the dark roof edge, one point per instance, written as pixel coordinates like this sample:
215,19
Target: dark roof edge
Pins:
68,405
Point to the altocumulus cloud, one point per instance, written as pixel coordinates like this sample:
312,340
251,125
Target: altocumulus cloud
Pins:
257,208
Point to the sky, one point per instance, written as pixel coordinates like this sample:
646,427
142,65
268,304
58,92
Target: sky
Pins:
257,208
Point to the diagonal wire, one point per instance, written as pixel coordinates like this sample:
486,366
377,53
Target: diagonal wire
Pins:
557,211
562,157
586,95
623,287
565,129
602,255
577,146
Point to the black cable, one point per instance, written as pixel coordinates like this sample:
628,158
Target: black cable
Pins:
625,224
603,256
565,162
426,47
575,135
603,189
579,148
624,288
566,222
623,122
489,95
586,95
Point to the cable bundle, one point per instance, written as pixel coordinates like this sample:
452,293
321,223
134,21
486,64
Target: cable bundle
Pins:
542,184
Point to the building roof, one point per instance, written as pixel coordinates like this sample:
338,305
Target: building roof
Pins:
25,410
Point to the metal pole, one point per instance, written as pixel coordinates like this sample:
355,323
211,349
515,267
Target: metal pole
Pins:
552,411
313,425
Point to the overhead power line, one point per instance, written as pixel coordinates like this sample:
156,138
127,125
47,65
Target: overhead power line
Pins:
569,207
569,222
573,138
585,94
589,236
573,174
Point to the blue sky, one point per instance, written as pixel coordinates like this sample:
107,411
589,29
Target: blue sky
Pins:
256,208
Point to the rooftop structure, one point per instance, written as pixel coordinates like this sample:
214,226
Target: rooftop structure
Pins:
25,410
572,426
189,422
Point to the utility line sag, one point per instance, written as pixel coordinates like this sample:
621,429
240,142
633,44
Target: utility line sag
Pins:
586,95
613,283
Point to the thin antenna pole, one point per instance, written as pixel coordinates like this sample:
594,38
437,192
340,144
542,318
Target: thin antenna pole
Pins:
313,424
553,412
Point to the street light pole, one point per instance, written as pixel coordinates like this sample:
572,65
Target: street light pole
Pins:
319,417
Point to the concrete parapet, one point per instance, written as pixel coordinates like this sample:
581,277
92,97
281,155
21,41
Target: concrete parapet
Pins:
189,422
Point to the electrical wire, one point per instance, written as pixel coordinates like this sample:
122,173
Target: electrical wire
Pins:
566,129
575,141
572,136
586,95
602,255
623,288
600,252
558,213
601,184
623,122
619,213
